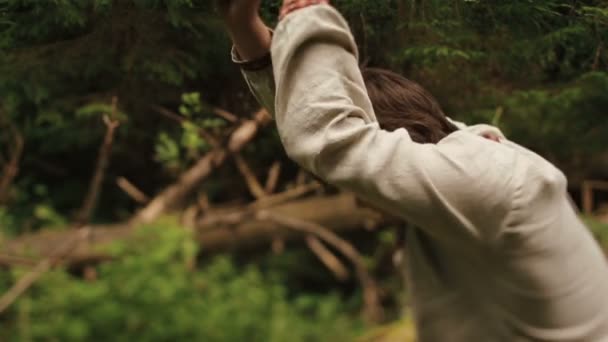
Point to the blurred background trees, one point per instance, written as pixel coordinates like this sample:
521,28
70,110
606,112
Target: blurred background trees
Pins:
537,69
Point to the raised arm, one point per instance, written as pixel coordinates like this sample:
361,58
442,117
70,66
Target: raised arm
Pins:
249,34
327,125
251,50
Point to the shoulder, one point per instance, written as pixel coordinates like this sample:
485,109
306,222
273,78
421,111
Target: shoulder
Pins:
540,185
479,156
480,182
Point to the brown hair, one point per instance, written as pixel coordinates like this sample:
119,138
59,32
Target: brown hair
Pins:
401,103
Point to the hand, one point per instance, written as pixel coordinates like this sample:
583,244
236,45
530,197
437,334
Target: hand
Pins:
250,35
239,11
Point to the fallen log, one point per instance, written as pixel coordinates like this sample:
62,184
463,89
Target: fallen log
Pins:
219,230
339,213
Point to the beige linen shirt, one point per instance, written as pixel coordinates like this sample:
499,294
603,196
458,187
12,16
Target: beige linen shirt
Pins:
499,255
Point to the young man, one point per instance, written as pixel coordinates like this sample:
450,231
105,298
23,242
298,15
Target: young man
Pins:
499,253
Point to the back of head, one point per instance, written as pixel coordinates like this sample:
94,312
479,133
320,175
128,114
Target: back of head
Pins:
401,103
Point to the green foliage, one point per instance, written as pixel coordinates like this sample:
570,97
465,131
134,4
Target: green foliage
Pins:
7,221
543,62
538,68
198,125
542,116
48,216
599,229
98,109
152,293
62,61
167,151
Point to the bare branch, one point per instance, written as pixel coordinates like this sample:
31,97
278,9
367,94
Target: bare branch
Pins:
247,130
286,196
278,243
373,309
242,135
327,258
252,182
103,158
301,177
203,202
168,113
201,170
226,115
237,217
213,141
177,191
273,177
131,190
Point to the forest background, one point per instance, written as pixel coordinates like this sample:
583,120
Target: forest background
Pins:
142,199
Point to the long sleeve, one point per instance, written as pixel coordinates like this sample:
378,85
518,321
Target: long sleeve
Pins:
262,86
327,125
496,214
260,83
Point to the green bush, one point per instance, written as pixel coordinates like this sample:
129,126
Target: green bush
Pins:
599,230
153,292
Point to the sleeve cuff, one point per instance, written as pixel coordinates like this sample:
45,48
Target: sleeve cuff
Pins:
252,65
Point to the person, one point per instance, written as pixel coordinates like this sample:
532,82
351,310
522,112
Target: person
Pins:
499,253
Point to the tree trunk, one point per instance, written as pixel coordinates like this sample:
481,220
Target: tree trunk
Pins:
215,232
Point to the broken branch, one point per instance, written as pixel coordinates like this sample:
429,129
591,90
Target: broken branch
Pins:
213,141
327,258
250,179
201,170
286,196
225,115
131,190
273,177
373,310
102,163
